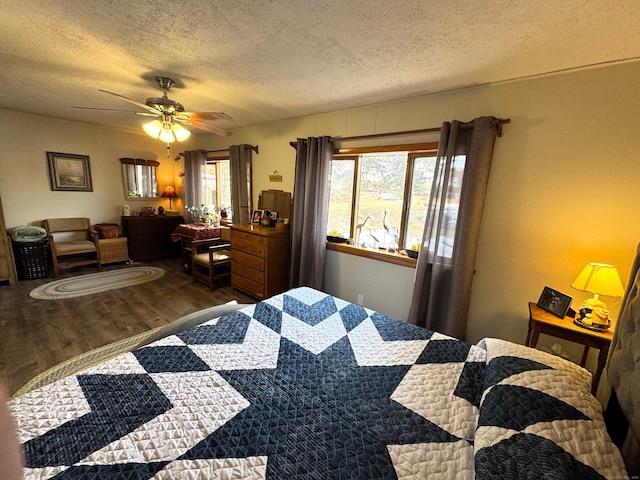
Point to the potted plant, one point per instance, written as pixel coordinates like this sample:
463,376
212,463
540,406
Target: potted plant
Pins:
335,236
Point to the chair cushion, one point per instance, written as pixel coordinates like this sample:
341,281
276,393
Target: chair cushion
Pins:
80,246
221,256
202,259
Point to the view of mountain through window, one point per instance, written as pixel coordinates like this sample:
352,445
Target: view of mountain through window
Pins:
380,199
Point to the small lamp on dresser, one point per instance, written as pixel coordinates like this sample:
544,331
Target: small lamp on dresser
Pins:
599,279
169,192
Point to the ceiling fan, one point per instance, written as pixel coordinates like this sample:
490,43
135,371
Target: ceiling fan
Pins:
170,115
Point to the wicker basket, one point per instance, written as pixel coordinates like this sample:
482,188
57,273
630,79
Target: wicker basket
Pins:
113,250
108,230
32,259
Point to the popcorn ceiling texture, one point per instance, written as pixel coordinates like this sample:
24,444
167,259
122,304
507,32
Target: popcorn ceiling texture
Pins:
265,60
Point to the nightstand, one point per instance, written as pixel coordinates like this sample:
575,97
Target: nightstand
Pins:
541,321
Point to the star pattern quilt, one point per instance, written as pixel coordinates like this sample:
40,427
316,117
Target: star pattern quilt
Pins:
305,385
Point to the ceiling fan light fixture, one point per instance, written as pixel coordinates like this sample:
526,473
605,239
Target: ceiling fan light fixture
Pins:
153,128
166,134
166,131
180,132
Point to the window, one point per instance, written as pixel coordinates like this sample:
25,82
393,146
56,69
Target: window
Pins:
216,183
379,195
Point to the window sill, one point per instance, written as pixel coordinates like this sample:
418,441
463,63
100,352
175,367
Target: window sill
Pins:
380,255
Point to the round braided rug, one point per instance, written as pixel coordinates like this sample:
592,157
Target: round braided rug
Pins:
96,283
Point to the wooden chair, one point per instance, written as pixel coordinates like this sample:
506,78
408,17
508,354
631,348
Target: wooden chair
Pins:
76,244
212,267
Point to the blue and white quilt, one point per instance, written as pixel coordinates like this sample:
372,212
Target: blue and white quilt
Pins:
307,386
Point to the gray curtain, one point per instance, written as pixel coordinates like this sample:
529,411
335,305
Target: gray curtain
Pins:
194,160
240,159
445,268
310,212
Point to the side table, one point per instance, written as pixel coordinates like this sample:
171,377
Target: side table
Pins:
541,321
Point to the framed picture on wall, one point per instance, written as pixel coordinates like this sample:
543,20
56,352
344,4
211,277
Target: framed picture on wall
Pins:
69,172
554,302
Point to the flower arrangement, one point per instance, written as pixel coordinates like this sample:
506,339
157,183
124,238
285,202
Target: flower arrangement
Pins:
207,214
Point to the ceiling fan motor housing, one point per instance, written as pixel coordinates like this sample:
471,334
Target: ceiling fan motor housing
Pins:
164,104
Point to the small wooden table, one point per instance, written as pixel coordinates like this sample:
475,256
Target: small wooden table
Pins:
541,321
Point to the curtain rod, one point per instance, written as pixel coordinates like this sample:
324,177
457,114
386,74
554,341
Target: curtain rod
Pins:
498,123
248,147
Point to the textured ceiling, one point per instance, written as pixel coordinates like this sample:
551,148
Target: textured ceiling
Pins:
263,60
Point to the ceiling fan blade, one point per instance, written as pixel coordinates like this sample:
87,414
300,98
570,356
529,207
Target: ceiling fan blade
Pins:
210,116
146,114
134,102
207,128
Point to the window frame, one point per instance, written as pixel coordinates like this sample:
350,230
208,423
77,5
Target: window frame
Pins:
413,151
216,161
147,176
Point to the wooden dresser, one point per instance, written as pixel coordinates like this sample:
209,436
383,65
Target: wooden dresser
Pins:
259,260
149,238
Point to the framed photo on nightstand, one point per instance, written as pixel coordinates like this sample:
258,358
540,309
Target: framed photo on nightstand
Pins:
555,302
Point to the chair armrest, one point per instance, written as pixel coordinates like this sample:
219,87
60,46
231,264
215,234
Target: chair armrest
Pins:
220,246
214,248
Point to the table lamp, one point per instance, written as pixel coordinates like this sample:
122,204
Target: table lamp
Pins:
599,279
169,192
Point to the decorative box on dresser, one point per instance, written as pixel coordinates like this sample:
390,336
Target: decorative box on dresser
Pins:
7,268
149,237
259,260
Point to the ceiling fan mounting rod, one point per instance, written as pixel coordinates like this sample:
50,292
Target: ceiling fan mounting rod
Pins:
165,83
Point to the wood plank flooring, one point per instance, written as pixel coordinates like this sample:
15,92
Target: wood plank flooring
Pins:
38,334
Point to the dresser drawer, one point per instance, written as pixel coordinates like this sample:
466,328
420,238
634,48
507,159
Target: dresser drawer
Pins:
254,244
248,272
241,283
246,259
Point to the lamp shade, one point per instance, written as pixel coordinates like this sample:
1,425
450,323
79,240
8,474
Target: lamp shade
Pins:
169,192
599,279
153,128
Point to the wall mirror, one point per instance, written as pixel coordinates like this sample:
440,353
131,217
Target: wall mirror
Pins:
275,201
139,177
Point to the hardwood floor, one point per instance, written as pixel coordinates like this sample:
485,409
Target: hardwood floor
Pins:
38,334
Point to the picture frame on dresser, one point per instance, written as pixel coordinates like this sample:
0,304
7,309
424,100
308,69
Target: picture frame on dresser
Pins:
257,215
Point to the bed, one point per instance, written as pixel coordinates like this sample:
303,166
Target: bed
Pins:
306,385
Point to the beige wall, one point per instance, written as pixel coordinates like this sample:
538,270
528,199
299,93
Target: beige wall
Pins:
563,189
24,177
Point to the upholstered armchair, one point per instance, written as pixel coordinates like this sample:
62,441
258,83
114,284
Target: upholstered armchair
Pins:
73,243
